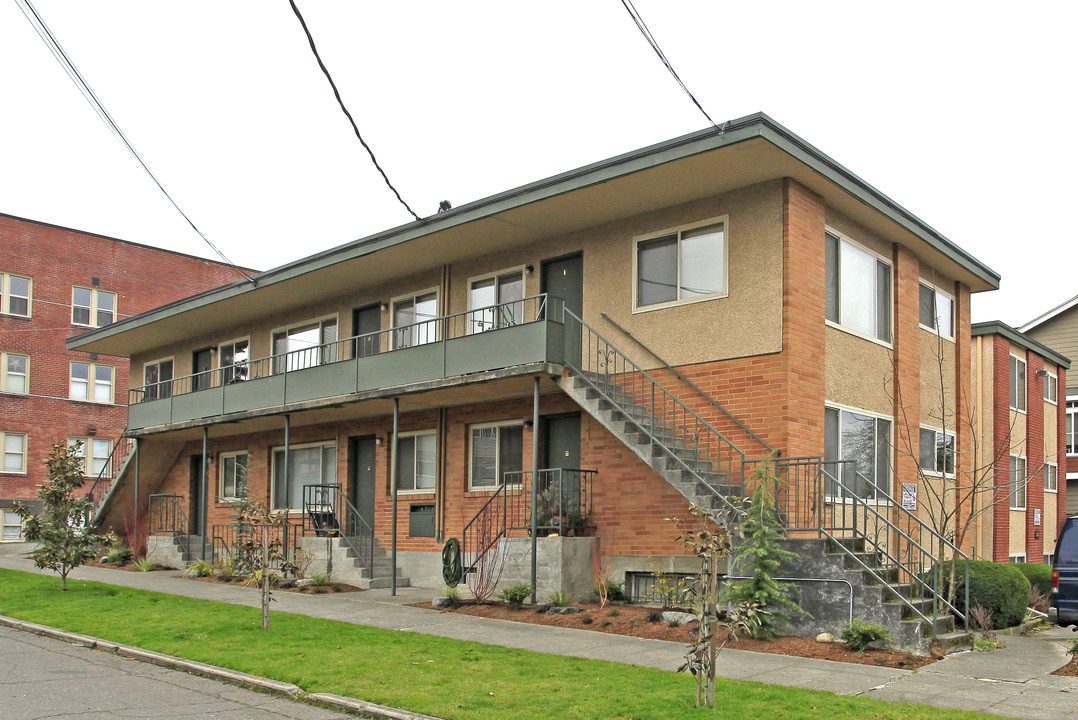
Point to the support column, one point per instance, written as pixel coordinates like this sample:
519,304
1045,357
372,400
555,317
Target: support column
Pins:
204,489
136,543
393,490
535,482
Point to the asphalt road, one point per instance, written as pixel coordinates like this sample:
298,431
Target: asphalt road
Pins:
44,678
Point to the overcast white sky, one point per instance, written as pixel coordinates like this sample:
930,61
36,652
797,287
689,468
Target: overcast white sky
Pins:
962,112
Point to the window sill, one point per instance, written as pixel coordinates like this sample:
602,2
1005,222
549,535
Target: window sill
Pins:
859,334
414,493
932,331
638,309
835,500
1054,492
16,317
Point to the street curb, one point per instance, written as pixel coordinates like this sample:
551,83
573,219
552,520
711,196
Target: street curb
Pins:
362,707
215,672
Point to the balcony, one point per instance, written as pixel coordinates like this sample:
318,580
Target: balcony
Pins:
520,332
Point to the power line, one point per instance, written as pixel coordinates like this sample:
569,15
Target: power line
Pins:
61,56
642,26
336,94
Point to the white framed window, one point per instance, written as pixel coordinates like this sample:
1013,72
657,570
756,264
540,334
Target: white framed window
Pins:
94,452
306,345
937,310
417,461
863,438
14,373
1051,477
232,480
15,294
1071,431
12,526
1018,383
1016,559
14,444
502,290
157,376
415,319
681,265
91,382
1051,387
1018,483
858,295
495,449
1049,558
233,358
92,307
937,453
308,464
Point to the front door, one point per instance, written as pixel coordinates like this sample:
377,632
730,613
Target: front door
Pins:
564,278
195,500
366,320
201,363
561,449
361,477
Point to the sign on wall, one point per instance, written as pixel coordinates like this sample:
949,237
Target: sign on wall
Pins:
909,496
1036,516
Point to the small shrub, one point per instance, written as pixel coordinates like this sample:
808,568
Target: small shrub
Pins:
302,560
986,644
1001,589
1039,576
1038,600
453,593
321,579
515,595
559,599
119,555
859,634
674,623
587,620
199,568
615,591
983,621
1073,649
146,564
255,578
654,617
614,612
605,623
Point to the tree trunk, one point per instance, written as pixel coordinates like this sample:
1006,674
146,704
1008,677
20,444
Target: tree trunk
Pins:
265,579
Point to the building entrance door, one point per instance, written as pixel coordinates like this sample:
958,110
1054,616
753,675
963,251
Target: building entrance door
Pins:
361,476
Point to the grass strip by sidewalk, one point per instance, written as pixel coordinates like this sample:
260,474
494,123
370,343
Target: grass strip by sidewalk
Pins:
426,674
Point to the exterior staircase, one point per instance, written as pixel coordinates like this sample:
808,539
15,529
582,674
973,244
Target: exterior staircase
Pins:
884,551
349,568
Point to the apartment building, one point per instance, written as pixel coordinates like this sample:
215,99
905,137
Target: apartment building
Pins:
580,357
1013,494
56,283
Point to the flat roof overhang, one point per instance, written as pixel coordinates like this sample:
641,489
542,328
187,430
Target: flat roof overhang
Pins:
752,150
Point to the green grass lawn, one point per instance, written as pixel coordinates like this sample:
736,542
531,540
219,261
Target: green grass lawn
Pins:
436,676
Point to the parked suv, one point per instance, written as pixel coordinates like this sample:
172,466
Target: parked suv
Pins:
1065,573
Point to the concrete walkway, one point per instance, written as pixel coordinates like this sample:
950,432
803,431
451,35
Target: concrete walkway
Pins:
1014,682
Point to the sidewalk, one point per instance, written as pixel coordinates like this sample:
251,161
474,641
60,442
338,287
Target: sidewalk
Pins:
1013,682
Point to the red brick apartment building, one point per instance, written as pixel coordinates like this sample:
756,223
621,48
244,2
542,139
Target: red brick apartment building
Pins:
580,358
56,283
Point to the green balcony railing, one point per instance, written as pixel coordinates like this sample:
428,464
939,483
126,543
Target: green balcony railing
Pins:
489,338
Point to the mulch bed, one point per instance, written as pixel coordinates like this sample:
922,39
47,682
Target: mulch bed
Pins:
1070,669
633,620
127,566
333,587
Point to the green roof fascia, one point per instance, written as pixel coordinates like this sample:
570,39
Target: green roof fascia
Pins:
995,327
735,131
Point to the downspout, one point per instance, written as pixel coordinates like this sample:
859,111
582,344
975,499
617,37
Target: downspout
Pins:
535,481
393,491
440,478
204,489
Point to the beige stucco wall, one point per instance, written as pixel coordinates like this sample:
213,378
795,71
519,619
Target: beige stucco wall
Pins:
983,362
1017,533
746,322
1050,522
858,372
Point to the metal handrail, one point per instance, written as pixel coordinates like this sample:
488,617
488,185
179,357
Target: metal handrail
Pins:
355,531
110,473
167,516
912,569
226,539
445,327
610,354
770,450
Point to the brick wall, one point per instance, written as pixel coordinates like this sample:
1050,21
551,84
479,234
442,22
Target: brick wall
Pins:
57,259
1001,438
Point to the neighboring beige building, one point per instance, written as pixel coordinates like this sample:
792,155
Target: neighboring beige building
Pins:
1058,329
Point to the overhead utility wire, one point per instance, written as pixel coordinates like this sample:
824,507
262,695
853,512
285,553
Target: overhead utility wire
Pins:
61,56
642,26
336,94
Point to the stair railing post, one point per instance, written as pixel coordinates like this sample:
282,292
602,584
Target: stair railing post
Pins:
136,493
204,488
